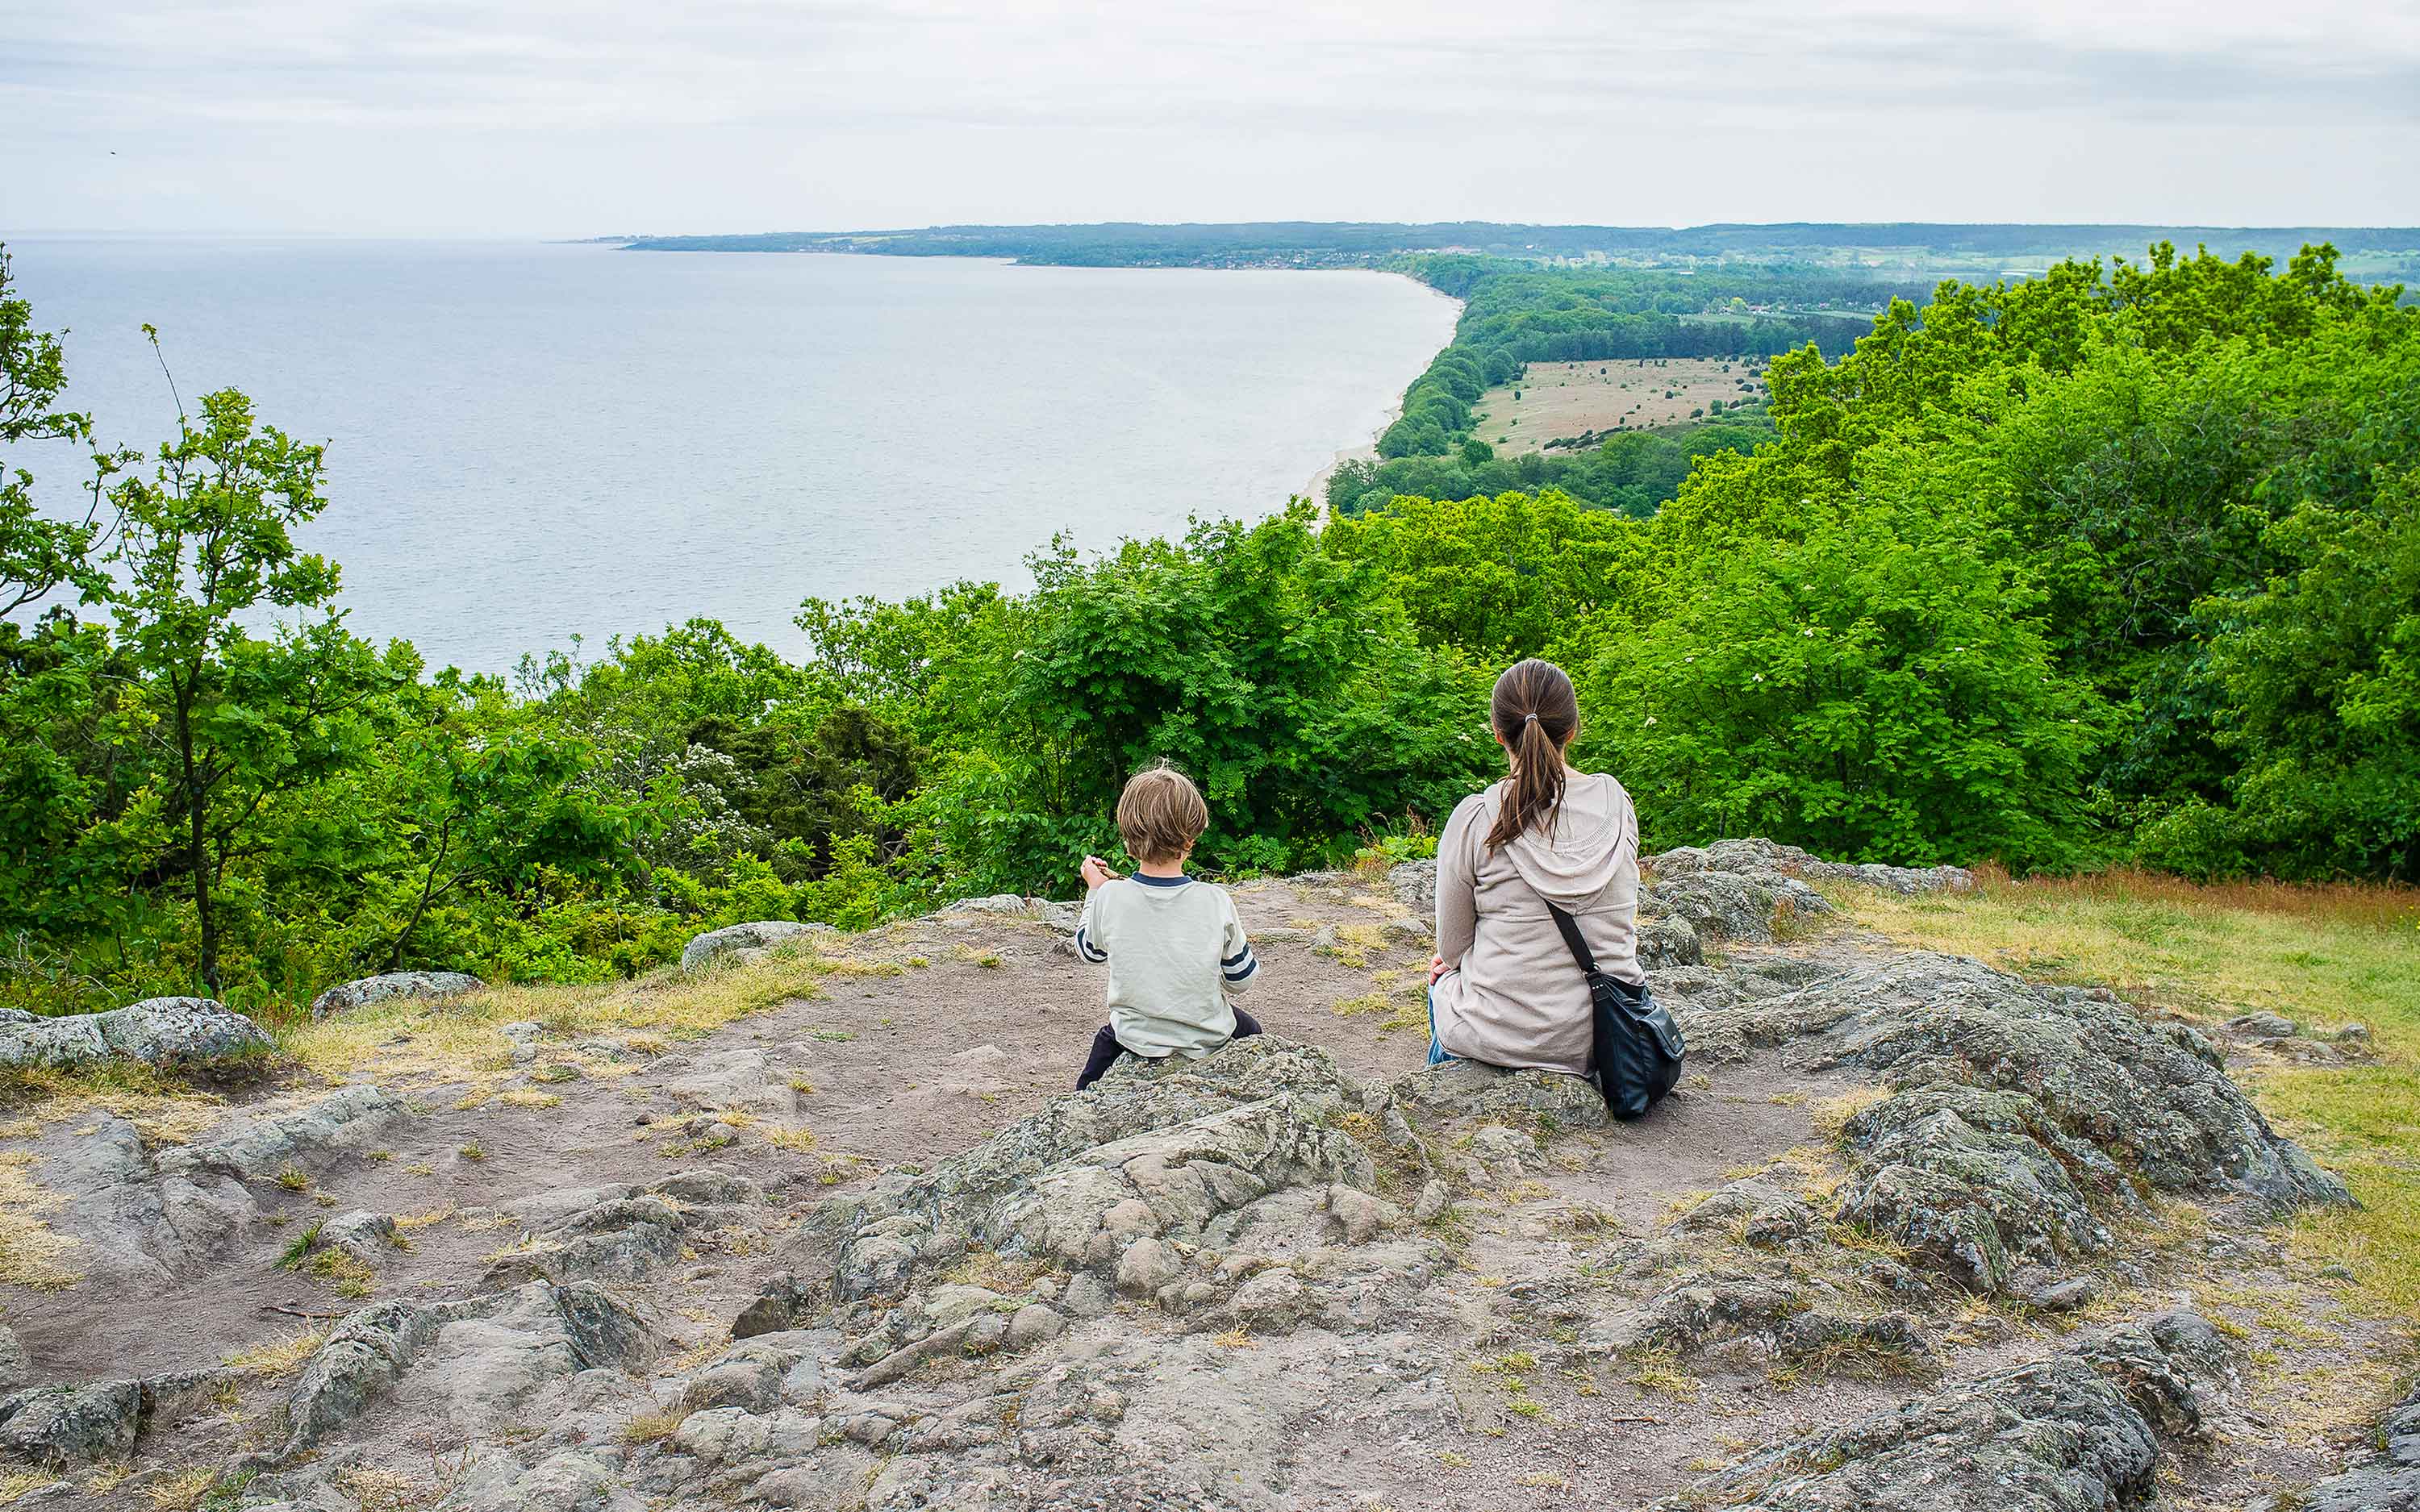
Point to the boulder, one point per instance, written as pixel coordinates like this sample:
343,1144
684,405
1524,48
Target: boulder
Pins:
368,1237
745,943
157,1032
432,985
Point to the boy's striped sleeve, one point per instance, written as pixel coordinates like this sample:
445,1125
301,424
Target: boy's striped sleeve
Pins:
1236,961
1087,945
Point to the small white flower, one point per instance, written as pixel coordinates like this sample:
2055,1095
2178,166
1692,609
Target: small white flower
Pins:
1808,634
1650,718
1760,677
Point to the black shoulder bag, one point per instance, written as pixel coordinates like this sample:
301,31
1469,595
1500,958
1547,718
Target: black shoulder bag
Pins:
1638,1048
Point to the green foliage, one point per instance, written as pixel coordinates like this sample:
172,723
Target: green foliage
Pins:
1516,313
1635,473
2112,561
1860,695
1499,578
2321,672
1280,674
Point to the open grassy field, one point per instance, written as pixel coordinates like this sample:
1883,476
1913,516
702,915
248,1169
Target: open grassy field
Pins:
2326,957
1566,399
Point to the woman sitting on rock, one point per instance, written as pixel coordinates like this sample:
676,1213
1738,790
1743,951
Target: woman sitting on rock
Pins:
1503,988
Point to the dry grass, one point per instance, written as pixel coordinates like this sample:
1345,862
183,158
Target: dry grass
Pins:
798,1139
32,1253
404,1040
16,1485
2319,954
653,1427
278,1357
1559,399
1658,1371
184,1490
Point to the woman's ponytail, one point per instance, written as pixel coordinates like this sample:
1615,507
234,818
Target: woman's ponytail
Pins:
1535,714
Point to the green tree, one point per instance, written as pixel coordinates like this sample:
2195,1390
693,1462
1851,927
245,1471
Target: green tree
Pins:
206,543
39,555
2321,666
1863,696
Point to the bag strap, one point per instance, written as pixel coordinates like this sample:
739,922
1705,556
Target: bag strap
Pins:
1570,928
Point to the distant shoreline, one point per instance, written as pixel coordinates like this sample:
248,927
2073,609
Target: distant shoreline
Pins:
1317,489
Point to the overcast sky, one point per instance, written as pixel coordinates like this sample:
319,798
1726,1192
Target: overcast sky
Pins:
512,118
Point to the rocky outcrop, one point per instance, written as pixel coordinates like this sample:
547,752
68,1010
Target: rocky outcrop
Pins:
2019,1118
157,1032
429,985
742,944
489,1351
1763,859
1159,1150
2076,1432
2387,1479
1060,916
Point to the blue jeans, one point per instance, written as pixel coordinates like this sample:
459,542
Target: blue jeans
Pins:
1437,1056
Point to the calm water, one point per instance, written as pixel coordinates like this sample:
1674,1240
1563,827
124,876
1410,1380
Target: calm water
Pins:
528,443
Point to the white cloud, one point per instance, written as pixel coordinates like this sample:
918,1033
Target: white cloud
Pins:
559,118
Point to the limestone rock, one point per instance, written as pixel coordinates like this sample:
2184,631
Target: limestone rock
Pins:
1667,941
746,942
429,985
1034,1324
157,1032
1415,883
1271,1298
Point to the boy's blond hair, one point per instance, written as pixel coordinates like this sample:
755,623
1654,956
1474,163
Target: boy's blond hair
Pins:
1160,814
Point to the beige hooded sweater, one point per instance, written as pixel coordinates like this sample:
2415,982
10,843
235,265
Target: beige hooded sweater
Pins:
1511,994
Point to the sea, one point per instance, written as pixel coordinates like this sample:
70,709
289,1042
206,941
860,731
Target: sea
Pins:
535,446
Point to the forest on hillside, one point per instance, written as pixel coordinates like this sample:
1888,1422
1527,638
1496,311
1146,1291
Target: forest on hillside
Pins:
2113,564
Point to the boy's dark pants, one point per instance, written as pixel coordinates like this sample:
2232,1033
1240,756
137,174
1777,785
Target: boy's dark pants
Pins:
1105,1049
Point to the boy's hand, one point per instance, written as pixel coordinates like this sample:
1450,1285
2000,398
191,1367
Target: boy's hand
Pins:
1436,968
1096,872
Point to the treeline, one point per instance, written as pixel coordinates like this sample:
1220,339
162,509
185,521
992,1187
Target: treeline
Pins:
1514,314
1370,244
2111,564
1635,473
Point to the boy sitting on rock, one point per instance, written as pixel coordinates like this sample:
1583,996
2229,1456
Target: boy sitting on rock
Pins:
1174,946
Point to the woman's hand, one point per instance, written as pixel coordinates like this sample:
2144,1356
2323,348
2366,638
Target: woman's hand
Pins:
1436,968
1096,872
